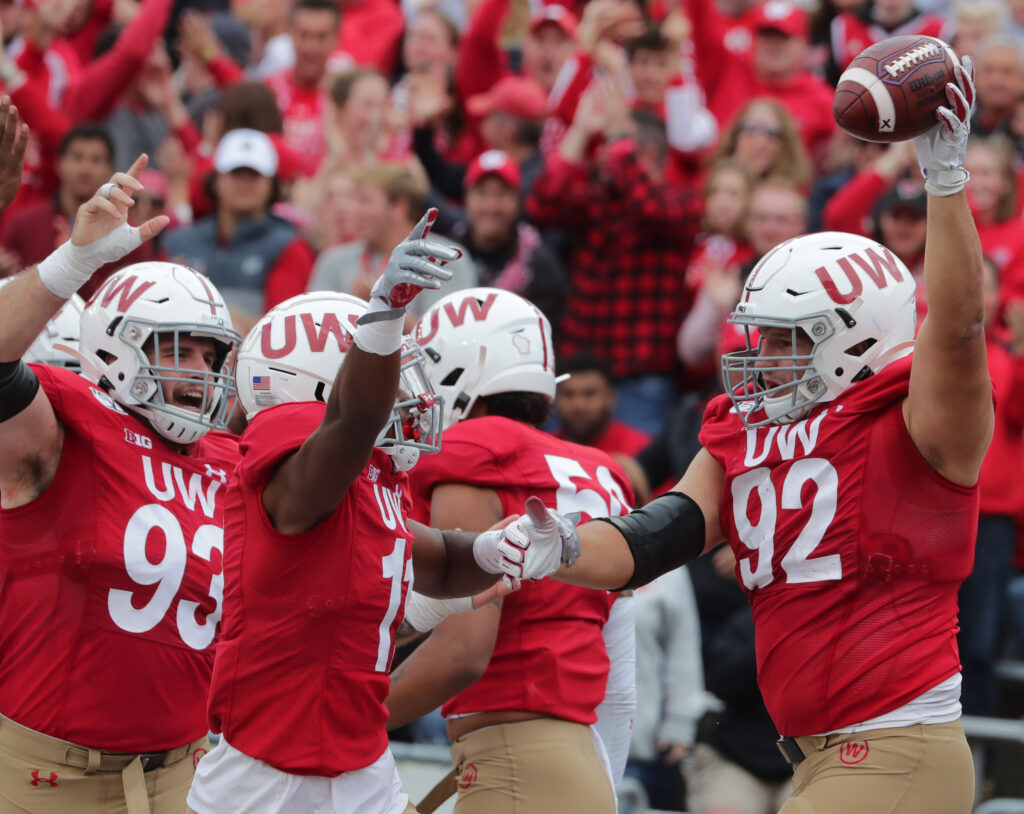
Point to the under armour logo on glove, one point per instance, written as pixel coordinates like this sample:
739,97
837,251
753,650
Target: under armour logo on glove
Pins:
36,780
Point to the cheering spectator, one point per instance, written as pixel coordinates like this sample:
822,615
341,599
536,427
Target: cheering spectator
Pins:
853,31
85,161
764,139
983,596
370,35
585,403
632,233
973,22
777,70
255,258
1000,81
994,197
299,92
508,252
267,20
389,201
509,117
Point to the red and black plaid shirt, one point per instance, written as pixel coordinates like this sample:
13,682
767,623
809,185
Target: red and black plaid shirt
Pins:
632,241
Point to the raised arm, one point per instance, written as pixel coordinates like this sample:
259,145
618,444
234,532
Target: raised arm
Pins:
948,410
30,435
310,484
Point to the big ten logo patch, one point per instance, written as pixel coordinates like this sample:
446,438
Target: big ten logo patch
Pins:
468,776
853,752
197,755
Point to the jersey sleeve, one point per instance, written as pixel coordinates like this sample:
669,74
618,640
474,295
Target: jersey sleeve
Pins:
717,426
273,434
471,453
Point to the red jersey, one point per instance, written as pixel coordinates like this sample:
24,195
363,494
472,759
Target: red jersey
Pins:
851,549
549,656
309,624
1001,481
304,112
112,580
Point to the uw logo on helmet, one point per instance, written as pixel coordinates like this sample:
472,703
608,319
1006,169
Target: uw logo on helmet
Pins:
123,285
469,306
316,337
874,266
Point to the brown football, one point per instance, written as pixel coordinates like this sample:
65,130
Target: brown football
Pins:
890,91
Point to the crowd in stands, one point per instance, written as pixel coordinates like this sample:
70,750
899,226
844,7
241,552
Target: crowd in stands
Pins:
621,164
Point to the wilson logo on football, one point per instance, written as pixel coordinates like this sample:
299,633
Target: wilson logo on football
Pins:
853,753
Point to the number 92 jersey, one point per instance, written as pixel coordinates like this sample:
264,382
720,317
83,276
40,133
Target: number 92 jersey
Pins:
851,549
111,581
549,656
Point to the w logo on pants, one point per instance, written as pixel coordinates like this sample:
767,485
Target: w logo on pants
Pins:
853,753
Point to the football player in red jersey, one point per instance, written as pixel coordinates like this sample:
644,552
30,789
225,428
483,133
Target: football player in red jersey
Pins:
842,468
520,685
320,554
111,524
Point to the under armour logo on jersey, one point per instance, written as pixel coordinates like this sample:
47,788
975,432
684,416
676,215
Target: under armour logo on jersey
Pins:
107,401
468,776
372,473
216,474
35,781
853,753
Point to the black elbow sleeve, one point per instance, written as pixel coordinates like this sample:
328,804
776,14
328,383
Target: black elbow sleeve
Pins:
664,534
18,386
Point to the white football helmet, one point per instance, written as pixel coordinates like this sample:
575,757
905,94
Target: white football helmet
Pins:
851,296
483,341
136,311
61,329
289,356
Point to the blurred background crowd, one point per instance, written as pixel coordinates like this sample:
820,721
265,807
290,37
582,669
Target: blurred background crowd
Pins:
621,164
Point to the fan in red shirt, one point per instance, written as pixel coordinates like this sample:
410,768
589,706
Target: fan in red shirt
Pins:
853,31
777,70
830,469
111,528
320,553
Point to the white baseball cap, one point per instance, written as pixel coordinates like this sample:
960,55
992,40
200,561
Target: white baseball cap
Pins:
247,148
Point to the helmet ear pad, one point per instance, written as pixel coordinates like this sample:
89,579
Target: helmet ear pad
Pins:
485,341
849,295
124,328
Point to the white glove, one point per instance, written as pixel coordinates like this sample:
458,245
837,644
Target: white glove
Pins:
941,150
415,264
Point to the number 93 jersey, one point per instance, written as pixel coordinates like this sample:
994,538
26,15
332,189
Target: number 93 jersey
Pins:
851,549
111,580
549,656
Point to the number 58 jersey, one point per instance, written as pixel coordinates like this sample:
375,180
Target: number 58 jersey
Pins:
111,581
549,656
851,549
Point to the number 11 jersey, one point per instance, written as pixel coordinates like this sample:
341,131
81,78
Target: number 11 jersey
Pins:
851,549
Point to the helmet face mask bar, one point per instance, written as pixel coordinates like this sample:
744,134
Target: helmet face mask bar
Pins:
846,296
743,372
217,386
147,308
415,423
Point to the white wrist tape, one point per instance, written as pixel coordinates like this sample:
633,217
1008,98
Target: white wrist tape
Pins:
69,267
947,182
382,336
424,613
486,553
